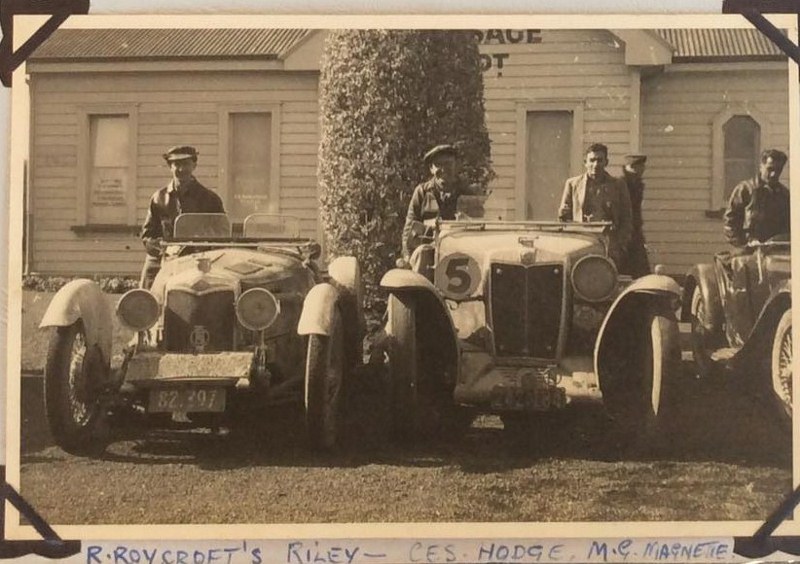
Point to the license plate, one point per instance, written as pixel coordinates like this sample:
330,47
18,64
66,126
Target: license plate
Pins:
187,399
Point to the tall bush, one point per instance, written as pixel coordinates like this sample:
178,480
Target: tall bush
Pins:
386,97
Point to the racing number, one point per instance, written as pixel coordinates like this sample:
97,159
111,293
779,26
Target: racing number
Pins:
458,279
458,275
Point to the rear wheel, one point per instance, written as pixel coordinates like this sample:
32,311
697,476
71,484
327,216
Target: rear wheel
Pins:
325,373
703,341
781,371
73,388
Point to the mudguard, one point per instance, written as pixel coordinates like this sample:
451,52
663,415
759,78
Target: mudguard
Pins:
759,341
705,277
400,280
83,299
318,307
653,287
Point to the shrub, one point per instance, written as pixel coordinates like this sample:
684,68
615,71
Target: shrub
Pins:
109,284
386,97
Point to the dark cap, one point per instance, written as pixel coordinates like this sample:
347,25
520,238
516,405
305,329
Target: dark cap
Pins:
439,150
180,152
635,159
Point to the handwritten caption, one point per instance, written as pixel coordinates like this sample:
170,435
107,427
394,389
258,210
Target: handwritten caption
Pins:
414,552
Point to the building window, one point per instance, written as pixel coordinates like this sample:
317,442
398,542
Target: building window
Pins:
107,175
739,133
250,152
742,147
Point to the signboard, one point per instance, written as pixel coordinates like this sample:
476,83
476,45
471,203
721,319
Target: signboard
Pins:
108,203
495,61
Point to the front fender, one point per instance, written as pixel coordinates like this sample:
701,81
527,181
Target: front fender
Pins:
653,288
318,310
759,341
83,299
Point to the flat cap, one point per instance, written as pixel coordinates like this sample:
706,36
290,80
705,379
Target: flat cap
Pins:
439,150
180,152
635,159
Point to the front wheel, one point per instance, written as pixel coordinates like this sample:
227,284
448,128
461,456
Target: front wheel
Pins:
73,388
703,340
325,374
403,366
781,369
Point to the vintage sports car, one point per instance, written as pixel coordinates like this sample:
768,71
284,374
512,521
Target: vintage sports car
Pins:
230,323
524,318
740,308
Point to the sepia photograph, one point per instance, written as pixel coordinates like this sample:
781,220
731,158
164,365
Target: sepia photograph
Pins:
376,274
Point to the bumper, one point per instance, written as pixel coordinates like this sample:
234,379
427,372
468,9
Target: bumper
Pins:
524,386
220,369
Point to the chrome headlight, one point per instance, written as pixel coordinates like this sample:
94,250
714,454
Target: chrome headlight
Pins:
138,309
257,309
594,278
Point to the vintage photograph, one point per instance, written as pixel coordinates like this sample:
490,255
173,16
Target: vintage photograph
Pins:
403,275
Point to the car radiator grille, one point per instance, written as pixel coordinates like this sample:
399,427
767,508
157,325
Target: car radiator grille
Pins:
199,323
526,309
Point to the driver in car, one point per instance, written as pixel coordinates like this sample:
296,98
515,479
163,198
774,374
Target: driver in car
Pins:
758,208
436,198
184,194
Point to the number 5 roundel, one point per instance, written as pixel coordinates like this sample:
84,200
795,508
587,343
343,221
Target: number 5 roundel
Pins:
457,275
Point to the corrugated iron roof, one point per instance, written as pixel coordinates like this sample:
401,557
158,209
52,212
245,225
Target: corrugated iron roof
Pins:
717,44
168,43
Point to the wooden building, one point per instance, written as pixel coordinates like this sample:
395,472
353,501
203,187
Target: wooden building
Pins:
106,103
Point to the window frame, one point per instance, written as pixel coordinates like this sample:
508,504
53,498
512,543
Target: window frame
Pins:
225,111
717,197
85,114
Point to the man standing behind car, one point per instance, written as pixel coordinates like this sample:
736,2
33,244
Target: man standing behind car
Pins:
598,196
435,198
184,194
758,208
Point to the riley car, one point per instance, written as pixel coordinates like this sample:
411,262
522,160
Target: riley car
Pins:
740,309
230,323
524,319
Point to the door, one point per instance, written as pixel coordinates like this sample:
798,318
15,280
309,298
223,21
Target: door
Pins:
548,162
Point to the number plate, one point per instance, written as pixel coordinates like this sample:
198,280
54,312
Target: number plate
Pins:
187,399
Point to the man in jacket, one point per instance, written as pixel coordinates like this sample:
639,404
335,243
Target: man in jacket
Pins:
435,198
184,194
758,208
636,263
598,196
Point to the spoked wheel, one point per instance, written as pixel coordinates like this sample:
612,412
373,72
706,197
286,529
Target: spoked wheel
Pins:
325,375
781,371
703,342
73,388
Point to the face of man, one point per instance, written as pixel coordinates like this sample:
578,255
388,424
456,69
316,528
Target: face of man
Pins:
595,163
443,167
182,169
770,172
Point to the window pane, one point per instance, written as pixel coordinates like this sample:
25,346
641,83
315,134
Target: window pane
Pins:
249,170
108,169
742,147
548,161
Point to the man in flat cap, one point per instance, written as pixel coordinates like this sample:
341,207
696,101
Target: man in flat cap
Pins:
758,208
184,194
435,198
636,263
597,196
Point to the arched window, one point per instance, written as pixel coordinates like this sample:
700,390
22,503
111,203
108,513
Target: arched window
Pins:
742,146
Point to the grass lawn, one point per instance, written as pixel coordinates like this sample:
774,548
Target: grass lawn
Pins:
35,340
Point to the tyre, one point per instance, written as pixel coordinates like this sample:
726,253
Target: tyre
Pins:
781,370
703,342
403,366
641,401
73,388
324,386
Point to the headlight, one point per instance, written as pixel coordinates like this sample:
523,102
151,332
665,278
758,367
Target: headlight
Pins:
594,278
138,309
257,309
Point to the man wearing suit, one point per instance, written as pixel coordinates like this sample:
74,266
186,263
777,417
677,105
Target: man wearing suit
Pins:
598,196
